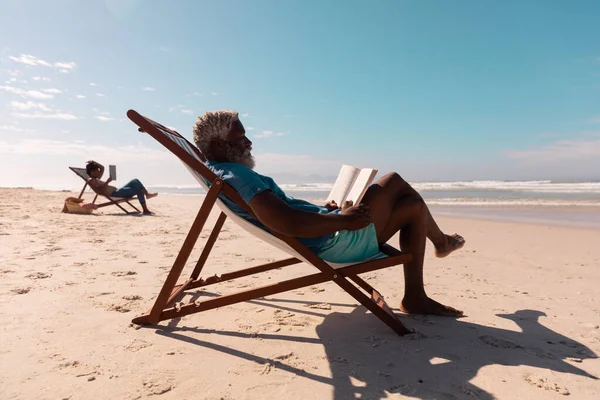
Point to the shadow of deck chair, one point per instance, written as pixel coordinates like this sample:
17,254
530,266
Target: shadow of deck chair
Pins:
344,275
81,172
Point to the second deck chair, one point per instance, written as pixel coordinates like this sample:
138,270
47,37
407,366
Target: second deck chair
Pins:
344,275
81,172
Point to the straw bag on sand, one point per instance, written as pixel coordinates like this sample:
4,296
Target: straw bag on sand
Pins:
74,205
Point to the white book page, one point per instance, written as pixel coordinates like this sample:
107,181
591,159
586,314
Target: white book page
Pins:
342,184
361,184
112,171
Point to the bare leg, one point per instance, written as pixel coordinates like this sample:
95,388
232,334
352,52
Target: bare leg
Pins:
395,189
396,210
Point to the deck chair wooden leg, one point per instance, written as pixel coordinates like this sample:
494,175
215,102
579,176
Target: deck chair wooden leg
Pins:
209,245
95,197
83,190
132,206
186,249
385,315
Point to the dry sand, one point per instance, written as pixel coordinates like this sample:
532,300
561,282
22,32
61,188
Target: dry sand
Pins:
70,284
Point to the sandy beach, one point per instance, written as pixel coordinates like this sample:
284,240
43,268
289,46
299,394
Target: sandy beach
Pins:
70,285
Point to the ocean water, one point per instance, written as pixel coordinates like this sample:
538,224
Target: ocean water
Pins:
574,204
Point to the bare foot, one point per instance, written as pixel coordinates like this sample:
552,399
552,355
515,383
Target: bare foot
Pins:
453,242
151,195
148,212
429,307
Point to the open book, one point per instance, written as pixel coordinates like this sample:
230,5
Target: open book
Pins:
112,171
351,184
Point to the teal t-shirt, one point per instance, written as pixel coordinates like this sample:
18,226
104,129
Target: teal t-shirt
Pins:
249,183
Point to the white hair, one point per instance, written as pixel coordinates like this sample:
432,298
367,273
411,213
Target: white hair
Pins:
213,125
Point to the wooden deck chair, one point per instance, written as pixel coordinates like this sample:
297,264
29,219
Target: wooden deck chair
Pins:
345,275
116,201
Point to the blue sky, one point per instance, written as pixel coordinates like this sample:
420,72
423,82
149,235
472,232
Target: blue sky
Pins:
437,91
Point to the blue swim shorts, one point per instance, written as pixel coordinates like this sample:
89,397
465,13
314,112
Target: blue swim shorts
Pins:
352,246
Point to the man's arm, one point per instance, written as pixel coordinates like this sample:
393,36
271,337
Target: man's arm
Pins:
279,217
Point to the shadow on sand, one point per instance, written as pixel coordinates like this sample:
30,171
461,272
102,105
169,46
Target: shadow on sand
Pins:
368,360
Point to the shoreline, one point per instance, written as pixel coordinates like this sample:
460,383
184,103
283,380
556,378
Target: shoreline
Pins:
576,217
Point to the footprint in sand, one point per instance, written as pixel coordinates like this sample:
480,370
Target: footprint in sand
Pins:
119,308
21,290
156,387
123,273
6,271
137,345
543,383
132,297
38,275
320,306
500,343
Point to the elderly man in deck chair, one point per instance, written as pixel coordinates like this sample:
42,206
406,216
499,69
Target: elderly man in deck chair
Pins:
134,188
347,235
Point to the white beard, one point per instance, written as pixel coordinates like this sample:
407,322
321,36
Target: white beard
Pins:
243,157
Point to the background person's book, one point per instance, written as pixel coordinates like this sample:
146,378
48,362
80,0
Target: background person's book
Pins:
112,171
351,184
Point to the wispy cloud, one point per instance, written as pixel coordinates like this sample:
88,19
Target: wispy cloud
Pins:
249,128
63,148
10,128
80,96
34,94
53,91
100,95
245,115
33,61
268,134
148,89
186,111
61,116
103,118
41,78
560,151
93,84
29,105
15,72
215,93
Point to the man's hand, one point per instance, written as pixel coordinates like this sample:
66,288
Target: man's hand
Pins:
357,217
331,206
347,204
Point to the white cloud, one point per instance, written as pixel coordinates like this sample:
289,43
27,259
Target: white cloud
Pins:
249,128
103,118
215,93
32,61
100,95
80,96
245,115
34,94
61,116
64,148
15,72
53,91
41,78
65,65
11,80
267,134
93,84
560,151
10,128
30,105
186,111
148,89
